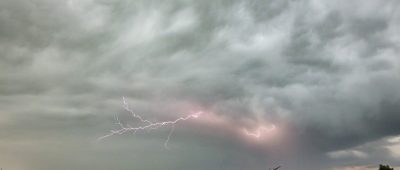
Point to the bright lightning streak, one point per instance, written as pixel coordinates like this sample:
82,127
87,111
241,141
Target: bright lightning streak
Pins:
257,133
148,124
169,137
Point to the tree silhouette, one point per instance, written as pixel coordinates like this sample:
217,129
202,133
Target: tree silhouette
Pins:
385,167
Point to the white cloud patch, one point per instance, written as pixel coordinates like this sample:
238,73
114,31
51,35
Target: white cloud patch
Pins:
394,146
343,154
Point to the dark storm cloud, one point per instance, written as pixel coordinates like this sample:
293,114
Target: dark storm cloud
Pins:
328,70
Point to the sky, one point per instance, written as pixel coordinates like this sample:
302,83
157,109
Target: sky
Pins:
320,78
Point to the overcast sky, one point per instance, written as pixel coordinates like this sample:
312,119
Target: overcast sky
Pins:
326,74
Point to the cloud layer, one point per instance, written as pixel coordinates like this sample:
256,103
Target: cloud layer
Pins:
326,72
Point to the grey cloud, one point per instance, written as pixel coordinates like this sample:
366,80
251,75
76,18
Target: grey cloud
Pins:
327,70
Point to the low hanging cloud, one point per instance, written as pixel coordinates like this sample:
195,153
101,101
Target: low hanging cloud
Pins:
326,72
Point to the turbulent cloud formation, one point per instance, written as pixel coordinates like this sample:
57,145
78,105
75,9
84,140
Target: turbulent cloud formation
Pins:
327,74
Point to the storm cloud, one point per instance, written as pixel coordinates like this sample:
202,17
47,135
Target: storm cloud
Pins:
328,73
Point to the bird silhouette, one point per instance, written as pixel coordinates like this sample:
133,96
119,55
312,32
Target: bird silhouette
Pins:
275,168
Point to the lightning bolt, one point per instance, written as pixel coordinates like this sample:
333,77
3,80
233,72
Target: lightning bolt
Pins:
258,132
148,125
169,137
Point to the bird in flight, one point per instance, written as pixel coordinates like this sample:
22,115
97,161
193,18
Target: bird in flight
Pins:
275,168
